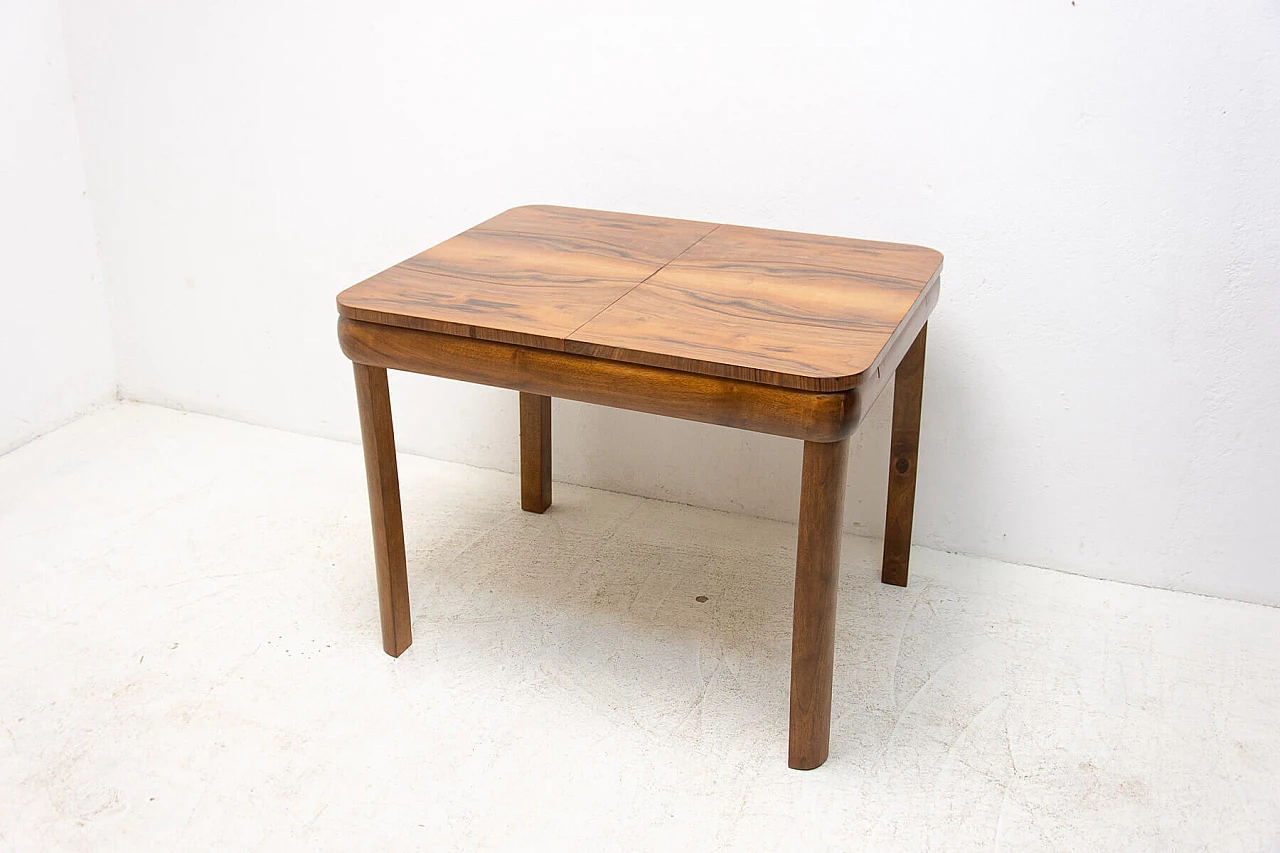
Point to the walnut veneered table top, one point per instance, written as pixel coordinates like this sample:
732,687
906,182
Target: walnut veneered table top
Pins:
769,331
774,307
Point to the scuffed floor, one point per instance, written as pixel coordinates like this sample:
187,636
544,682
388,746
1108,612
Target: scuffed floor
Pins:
190,659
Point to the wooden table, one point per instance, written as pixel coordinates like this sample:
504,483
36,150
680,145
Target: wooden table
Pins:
771,331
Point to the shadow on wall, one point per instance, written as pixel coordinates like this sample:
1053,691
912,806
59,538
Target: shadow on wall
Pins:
719,467
953,494
682,461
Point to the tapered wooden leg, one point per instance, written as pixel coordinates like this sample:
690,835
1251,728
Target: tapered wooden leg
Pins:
535,452
384,506
908,386
813,633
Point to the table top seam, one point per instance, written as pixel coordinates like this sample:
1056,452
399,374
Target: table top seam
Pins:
713,230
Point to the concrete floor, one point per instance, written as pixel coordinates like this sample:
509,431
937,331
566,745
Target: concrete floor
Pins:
191,660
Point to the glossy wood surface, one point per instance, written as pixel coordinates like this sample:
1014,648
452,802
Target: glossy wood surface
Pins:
795,310
535,452
531,275
813,631
709,399
374,401
904,447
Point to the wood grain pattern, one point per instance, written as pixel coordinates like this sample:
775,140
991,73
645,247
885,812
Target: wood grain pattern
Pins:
535,452
796,310
908,392
528,276
652,239
374,400
816,416
813,631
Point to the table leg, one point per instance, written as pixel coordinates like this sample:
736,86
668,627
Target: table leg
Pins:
813,637
535,452
374,399
908,386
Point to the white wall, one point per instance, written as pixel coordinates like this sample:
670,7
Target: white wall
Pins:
1101,388
55,348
